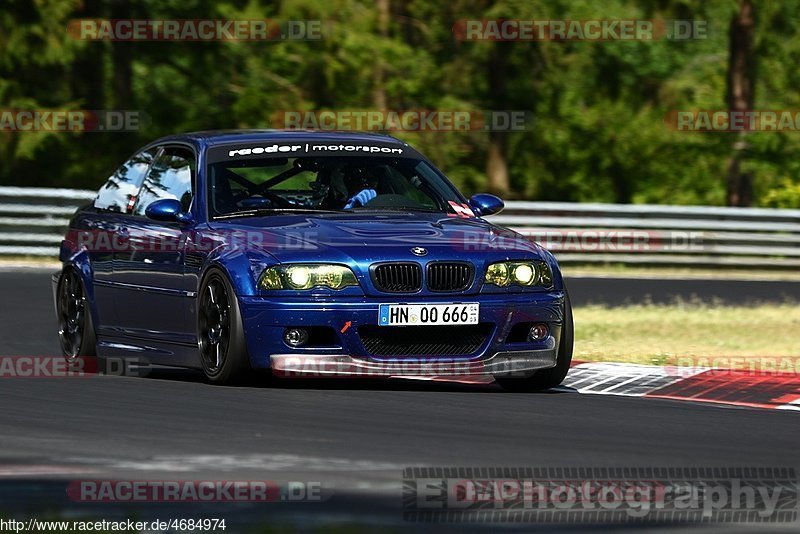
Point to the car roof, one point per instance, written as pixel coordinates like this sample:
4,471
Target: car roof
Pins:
211,138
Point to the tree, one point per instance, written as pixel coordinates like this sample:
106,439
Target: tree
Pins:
740,97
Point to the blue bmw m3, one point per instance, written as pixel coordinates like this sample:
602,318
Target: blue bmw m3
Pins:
299,253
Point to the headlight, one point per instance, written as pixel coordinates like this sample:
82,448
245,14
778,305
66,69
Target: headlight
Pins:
307,276
522,273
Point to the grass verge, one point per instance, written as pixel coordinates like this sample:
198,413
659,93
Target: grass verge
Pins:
661,334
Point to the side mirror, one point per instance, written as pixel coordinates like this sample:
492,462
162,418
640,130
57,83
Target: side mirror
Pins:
485,204
167,209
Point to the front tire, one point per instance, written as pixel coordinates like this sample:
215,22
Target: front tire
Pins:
548,378
223,353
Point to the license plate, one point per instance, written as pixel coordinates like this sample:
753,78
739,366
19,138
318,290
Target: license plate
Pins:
427,314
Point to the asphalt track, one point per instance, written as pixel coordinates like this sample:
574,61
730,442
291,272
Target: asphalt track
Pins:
354,437
619,291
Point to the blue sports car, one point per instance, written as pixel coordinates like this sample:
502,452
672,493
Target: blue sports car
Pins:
301,253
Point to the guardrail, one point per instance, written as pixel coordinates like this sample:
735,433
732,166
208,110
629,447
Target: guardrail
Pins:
33,220
659,235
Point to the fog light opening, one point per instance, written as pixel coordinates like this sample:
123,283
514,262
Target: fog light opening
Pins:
295,337
538,332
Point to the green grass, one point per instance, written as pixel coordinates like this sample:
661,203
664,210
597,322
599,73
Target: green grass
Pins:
662,335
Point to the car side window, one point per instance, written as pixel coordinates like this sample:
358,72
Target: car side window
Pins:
170,176
119,192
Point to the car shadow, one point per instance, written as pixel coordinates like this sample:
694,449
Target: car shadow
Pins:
265,381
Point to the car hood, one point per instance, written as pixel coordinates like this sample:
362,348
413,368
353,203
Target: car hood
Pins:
367,237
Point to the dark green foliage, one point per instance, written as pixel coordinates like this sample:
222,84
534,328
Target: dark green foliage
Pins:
598,131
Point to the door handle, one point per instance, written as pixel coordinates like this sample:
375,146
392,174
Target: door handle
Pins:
123,233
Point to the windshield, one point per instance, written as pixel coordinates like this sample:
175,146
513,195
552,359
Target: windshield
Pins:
325,183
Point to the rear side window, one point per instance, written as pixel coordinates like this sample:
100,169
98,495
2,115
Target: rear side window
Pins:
170,176
119,192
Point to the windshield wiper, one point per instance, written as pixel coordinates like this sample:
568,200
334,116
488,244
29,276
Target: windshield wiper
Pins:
395,208
271,211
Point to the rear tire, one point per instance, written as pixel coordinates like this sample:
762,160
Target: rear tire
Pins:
76,333
223,352
548,378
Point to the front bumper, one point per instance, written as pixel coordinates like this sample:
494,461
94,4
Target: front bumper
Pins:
266,319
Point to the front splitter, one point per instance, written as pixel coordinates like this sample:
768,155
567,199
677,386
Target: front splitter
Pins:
507,363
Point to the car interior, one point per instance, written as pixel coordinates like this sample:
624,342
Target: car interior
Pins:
326,183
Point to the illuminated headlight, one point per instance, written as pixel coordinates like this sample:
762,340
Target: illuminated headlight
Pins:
307,276
521,273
